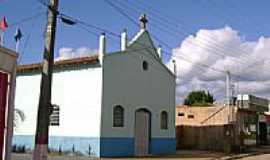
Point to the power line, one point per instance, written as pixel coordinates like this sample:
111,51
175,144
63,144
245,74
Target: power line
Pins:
201,65
225,16
238,16
29,34
183,58
186,59
121,11
27,19
89,31
76,20
167,19
117,35
215,48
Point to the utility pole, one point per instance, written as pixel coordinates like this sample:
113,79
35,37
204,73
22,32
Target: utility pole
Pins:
229,97
44,107
228,85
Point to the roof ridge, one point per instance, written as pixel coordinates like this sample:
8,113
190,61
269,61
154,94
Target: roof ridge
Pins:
134,39
72,61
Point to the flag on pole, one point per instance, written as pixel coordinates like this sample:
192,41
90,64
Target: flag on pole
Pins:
18,35
3,24
3,27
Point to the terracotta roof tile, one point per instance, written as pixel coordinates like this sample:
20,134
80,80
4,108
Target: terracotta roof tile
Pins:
60,63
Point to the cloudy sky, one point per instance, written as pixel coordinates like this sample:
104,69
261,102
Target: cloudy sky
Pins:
222,49
206,37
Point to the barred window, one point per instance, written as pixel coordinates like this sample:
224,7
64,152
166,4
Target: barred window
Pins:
118,116
164,120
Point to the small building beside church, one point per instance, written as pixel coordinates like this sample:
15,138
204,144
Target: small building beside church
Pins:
110,105
238,126
8,62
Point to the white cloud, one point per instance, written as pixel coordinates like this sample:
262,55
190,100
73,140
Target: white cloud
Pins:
67,52
223,49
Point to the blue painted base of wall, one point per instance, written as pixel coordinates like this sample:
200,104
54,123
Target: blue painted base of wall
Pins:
159,146
122,147
116,147
81,144
100,147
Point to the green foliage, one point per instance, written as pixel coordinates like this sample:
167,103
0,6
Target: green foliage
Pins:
199,98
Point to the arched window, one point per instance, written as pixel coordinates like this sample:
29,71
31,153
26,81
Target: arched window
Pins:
118,116
145,65
164,120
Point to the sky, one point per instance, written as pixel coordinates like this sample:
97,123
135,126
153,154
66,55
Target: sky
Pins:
224,35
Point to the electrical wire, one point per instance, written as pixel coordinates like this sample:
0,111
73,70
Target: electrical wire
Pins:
117,35
170,20
26,19
174,35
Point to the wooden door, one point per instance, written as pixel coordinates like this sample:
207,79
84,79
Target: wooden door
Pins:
142,132
3,104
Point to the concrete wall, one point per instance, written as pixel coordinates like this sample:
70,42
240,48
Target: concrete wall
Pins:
207,129
78,93
7,60
208,125
202,115
252,103
127,84
214,137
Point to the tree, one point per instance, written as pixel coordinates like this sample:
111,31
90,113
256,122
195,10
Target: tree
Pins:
199,98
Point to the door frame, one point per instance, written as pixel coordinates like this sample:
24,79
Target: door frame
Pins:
150,127
263,137
5,109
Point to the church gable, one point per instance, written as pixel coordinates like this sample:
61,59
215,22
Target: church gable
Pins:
140,45
142,41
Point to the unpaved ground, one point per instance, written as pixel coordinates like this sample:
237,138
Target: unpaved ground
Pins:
258,154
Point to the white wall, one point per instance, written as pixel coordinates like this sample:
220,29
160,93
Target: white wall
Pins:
7,60
77,92
127,84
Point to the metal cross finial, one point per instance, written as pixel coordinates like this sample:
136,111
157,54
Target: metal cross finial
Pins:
143,21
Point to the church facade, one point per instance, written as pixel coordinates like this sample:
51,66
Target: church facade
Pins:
112,104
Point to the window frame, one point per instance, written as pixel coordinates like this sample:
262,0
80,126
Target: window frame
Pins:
118,118
181,114
190,116
145,65
164,120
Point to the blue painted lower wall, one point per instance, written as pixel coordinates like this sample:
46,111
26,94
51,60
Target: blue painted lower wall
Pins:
116,147
82,145
100,147
120,147
163,146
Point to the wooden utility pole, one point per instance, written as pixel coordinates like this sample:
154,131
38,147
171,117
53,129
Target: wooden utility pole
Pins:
44,107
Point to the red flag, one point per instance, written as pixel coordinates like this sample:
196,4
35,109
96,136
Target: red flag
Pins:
3,24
